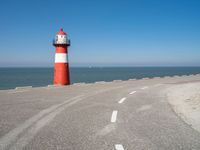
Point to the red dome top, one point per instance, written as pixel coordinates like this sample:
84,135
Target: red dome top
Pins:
61,32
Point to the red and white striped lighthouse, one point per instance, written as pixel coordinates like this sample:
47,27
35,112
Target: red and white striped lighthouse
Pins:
61,68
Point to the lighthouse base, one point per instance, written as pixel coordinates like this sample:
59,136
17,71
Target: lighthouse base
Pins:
61,74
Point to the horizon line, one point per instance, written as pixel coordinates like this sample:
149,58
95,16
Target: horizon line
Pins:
92,66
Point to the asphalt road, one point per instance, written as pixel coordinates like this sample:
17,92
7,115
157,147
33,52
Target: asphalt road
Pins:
119,115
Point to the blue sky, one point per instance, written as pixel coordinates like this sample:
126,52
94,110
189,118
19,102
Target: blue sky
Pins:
102,32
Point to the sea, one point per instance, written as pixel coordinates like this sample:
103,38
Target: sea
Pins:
37,77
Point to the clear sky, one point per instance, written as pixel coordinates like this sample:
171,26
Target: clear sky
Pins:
102,32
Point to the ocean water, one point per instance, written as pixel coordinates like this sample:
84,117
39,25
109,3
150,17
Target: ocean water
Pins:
15,77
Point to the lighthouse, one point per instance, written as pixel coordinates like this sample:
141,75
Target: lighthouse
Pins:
61,67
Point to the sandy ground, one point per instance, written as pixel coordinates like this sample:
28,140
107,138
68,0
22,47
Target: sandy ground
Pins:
185,100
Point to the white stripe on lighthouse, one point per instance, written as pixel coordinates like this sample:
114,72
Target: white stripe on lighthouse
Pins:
61,58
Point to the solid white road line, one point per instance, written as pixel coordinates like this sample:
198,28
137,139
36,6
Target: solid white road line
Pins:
122,100
143,88
119,147
132,92
114,116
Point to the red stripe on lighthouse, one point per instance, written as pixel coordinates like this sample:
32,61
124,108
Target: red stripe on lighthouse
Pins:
61,49
61,74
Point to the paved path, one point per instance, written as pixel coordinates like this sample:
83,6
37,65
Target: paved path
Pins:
120,115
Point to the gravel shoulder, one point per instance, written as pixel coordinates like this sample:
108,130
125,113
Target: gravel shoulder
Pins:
185,101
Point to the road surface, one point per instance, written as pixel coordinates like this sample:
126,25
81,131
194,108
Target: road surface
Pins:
118,115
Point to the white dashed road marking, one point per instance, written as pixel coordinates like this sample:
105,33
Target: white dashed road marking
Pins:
132,92
122,100
143,88
114,116
119,147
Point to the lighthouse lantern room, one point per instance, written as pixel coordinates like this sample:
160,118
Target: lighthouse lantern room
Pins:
61,38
